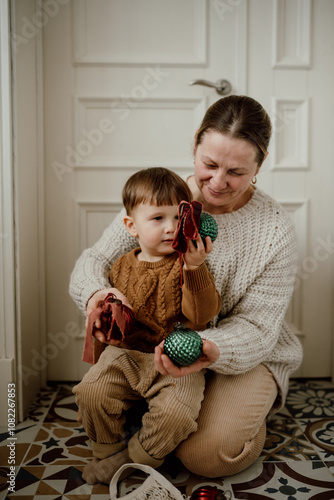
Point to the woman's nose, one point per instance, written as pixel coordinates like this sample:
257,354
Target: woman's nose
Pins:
219,180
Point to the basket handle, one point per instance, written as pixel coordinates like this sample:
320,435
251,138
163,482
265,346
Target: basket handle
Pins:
151,472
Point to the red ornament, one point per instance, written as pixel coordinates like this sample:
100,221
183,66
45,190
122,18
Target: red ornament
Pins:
208,493
116,320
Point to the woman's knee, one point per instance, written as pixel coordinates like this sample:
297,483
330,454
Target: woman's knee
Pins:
220,458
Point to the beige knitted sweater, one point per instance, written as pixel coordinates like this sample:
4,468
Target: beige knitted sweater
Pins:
253,263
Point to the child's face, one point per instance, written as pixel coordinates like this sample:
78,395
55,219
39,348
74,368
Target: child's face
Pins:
154,227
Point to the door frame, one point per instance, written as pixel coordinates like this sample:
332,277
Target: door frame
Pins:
22,290
7,242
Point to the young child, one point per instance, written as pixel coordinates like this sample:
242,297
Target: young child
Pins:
149,277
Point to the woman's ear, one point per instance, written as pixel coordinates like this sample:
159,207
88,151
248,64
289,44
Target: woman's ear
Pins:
130,226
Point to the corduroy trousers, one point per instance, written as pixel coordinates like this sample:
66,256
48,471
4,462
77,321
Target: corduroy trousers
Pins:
232,423
227,437
114,383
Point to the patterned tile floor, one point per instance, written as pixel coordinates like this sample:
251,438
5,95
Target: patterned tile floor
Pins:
297,463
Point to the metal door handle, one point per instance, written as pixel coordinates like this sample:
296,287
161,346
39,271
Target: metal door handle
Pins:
223,87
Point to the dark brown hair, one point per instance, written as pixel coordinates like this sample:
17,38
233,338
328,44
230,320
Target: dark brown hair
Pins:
240,117
154,185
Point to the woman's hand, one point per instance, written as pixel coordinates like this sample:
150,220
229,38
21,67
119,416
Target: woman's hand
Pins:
196,255
165,366
94,303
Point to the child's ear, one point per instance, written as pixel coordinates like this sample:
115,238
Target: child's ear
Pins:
130,226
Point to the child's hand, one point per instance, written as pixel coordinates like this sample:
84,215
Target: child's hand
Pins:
101,337
194,257
94,303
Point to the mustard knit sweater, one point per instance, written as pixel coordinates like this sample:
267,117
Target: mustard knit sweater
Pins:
153,290
253,263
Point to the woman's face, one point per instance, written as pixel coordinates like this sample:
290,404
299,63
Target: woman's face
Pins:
224,169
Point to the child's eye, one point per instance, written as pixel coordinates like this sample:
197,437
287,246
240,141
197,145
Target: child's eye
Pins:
158,217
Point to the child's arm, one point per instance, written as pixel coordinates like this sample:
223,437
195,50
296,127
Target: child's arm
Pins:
201,300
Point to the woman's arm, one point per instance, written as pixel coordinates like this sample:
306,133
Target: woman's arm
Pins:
249,334
91,270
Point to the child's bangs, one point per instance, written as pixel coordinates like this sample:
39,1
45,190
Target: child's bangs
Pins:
162,194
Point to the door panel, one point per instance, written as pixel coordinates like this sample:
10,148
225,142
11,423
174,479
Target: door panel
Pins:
117,99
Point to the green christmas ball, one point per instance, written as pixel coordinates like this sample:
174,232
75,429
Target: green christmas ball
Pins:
183,346
208,226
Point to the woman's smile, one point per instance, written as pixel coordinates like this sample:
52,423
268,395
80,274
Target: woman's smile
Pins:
214,192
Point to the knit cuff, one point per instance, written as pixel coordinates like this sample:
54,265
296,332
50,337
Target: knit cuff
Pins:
101,450
139,455
89,290
197,279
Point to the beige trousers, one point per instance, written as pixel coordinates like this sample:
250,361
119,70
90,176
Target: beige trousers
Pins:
231,425
114,383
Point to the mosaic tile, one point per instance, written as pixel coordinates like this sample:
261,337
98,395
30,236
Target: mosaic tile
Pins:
60,443
311,401
285,480
24,432
42,404
313,383
297,461
63,407
320,432
4,472
53,482
20,452
330,465
286,441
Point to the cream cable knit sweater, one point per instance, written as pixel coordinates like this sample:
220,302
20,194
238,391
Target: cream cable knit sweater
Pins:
253,263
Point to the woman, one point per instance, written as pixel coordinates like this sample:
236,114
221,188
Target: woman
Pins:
250,351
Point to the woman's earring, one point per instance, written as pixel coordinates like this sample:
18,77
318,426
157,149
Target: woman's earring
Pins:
254,181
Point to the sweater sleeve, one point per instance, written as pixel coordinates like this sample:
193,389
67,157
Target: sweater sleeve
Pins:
251,331
201,300
91,270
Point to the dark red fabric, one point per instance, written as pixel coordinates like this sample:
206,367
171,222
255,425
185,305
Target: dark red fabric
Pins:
116,320
187,227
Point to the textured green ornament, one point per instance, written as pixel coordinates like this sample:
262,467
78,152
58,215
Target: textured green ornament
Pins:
208,226
183,346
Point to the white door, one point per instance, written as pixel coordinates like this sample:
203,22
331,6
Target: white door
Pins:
117,98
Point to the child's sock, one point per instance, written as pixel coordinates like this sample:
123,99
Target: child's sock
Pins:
103,470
